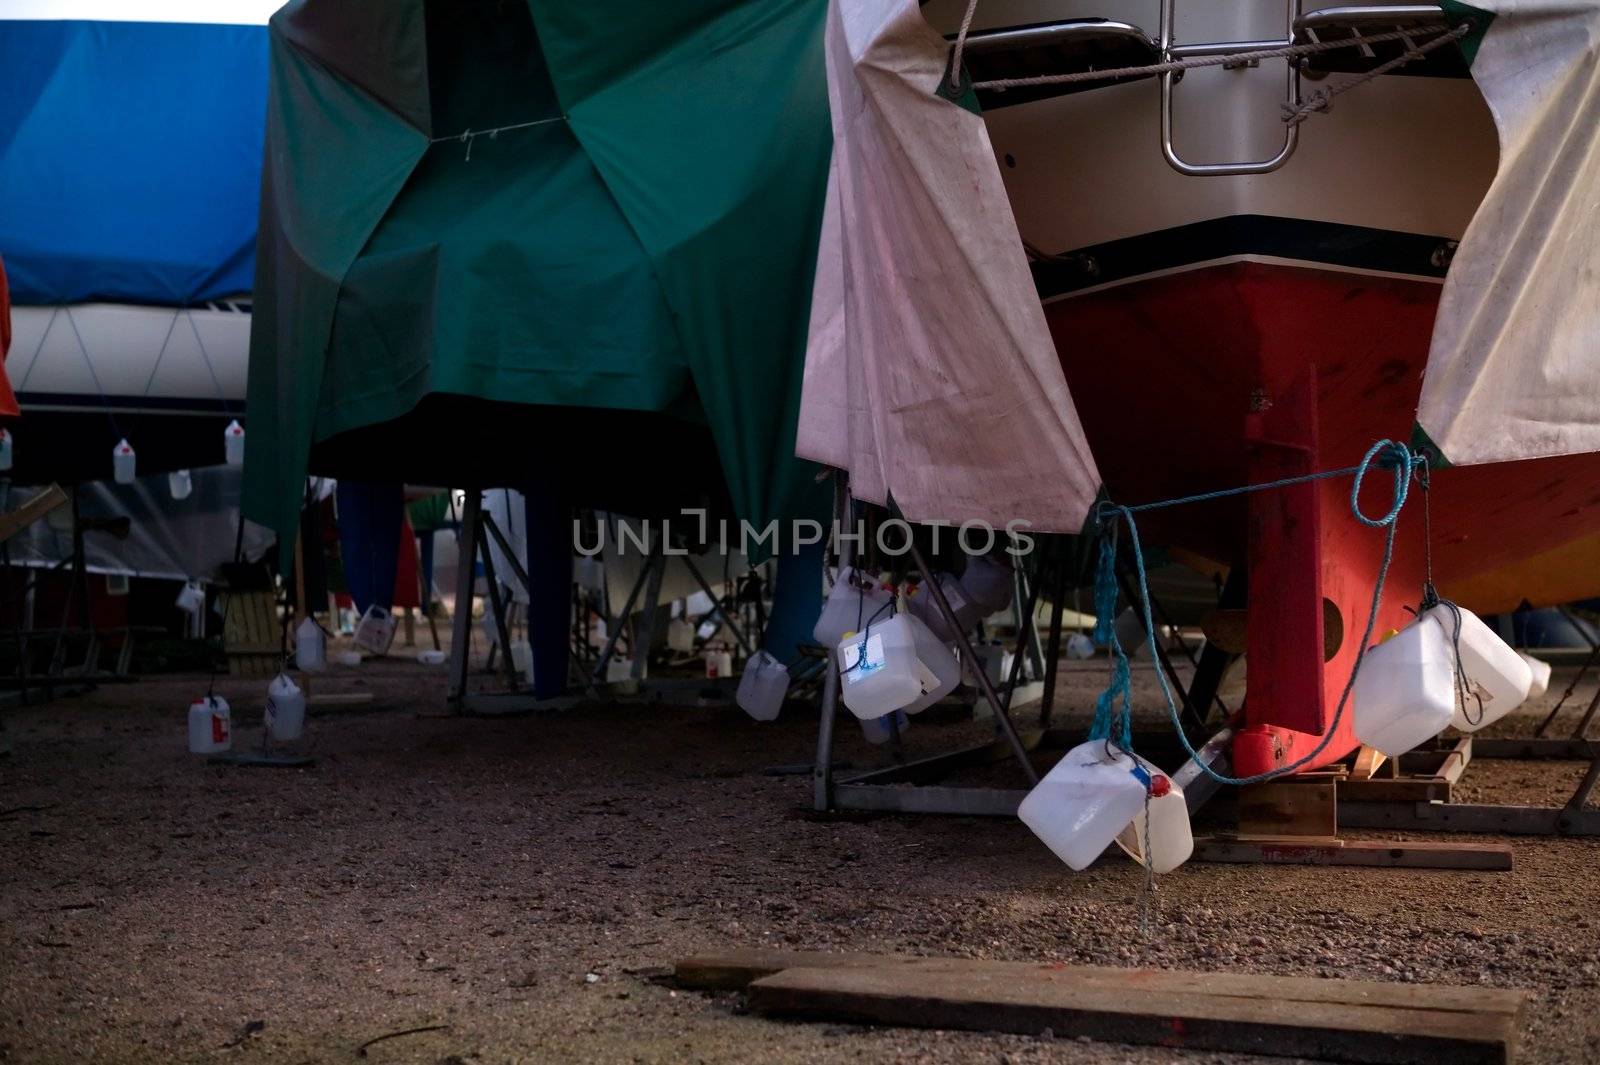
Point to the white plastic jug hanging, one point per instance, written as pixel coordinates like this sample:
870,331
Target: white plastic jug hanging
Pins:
210,725
1405,691
1079,647
233,444
6,450
1084,802
375,631
1539,671
1167,837
922,604
763,687
310,646
522,657
680,636
619,670
191,598
180,484
286,709
1497,679
987,583
855,601
881,730
123,462
892,665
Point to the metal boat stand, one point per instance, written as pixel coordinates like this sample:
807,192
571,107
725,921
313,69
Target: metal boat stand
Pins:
913,787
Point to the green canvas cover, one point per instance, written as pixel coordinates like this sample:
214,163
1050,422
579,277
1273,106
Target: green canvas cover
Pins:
642,239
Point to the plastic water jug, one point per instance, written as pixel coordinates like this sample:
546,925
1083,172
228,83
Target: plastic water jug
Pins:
7,455
191,598
855,601
375,631
233,443
1405,692
286,709
1083,804
1169,839
922,605
180,483
894,665
618,670
987,584
880,730
763,687
1079,647
432,658
210,725
310,646
680,636
719,662
1540,672
123,462
1498,679
522,657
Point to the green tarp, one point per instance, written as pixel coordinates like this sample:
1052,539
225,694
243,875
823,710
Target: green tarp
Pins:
643,239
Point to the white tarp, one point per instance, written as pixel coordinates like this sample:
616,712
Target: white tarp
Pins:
930,372
1514,371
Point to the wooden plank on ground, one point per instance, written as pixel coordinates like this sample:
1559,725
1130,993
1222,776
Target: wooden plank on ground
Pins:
1408,854
1336,1020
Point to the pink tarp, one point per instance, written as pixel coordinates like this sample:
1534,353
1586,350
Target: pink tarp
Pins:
930,373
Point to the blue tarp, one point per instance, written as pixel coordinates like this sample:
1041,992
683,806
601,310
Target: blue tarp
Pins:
130,159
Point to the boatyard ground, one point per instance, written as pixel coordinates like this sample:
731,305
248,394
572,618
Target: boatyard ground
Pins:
517,887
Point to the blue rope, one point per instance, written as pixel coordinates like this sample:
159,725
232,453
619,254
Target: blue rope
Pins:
1396,457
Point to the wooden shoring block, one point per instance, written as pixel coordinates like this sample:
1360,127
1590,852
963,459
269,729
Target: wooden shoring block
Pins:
1337,1020
1300,806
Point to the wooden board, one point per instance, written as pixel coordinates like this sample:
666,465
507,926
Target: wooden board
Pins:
1406,854
1337,1020
14,521
1301,807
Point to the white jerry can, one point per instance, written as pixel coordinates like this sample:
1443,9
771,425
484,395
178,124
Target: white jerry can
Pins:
375,631
1498,679
124,463
310,647
286,709
923,605
855,602
894,665
680,636
763,687
180,483
233,444
987,584
881,730
1167,839
1085,802
210,725
1540,673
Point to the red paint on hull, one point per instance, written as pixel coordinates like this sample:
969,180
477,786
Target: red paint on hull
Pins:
1165,373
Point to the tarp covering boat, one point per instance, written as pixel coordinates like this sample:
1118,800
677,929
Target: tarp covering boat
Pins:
930,372
130,151
539,205
1514,370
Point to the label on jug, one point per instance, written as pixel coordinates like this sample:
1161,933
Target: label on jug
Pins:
864,658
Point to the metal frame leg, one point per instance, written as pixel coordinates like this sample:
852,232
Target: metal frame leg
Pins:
501,621
1001,715
727,617
822,771
1058,595
644,633
466,560
614,627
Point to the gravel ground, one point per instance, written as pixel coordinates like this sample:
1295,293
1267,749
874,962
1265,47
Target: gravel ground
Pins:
518,883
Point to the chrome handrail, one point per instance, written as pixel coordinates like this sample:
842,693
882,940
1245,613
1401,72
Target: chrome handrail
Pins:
1170,51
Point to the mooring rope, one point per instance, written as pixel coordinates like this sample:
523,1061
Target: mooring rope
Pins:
1113,720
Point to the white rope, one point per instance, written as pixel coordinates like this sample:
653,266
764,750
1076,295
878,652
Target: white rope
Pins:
1236,58
961,44
467,136
1322,99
